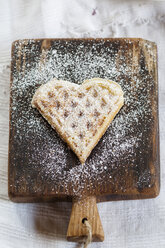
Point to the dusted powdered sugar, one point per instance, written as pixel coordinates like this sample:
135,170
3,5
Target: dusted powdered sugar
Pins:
123,145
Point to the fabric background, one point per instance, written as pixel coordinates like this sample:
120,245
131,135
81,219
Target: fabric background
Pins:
127,224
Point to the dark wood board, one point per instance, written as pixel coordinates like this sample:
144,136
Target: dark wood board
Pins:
125,163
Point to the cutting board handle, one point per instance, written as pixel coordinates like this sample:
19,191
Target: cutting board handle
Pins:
84,209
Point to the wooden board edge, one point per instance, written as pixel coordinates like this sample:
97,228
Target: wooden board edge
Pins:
10,104
18,198
79,39
151,193
158,129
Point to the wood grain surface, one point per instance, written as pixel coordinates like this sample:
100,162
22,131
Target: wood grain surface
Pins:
84,208
135,172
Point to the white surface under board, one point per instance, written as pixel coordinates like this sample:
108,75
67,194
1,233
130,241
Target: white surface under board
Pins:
127,224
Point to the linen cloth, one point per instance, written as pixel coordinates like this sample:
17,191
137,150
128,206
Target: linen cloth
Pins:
127,224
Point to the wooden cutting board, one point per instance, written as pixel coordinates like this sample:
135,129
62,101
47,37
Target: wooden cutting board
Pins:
124,164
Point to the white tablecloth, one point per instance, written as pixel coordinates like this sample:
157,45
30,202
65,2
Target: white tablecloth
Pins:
127,224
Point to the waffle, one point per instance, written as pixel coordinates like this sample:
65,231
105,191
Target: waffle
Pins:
79,113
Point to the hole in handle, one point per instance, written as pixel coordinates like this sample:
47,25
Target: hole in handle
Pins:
84,219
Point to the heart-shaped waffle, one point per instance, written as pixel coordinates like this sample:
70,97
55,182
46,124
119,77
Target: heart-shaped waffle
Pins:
79,113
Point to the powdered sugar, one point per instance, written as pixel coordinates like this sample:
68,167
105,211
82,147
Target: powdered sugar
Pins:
125,144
